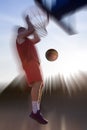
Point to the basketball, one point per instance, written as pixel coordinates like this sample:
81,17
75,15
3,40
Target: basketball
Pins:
51,55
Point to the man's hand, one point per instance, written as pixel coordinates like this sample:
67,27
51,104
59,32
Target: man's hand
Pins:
27,19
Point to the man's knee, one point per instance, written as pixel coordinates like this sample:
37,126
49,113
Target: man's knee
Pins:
38,83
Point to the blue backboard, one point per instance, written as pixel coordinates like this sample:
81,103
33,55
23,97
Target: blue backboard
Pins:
59,9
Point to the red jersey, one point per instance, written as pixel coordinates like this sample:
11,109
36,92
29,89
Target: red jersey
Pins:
27,52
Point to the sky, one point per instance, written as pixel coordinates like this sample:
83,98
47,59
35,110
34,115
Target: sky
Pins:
72,50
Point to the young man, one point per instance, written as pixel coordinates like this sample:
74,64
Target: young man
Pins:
31,65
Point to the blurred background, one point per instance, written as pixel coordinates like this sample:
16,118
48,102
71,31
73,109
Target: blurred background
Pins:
64,99
64,105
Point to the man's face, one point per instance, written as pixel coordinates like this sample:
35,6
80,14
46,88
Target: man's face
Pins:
21,30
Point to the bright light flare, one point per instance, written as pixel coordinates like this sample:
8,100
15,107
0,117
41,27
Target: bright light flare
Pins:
68,67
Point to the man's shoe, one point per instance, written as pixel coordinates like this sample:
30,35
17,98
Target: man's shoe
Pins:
38,117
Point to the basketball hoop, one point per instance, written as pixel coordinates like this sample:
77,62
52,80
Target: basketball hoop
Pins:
39,19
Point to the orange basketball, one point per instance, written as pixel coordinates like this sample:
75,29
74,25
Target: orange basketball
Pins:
51,54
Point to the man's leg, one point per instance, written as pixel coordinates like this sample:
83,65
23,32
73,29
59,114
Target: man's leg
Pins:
40,95
36,94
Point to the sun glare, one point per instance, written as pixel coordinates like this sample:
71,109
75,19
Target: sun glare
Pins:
66,66
68,69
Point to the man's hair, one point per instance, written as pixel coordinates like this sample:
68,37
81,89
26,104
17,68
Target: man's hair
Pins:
20,29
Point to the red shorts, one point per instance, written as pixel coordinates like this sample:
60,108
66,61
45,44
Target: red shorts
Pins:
33,72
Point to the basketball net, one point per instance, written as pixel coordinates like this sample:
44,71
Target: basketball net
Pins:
39,19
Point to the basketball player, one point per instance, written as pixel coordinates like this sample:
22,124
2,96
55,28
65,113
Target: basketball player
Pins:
31,65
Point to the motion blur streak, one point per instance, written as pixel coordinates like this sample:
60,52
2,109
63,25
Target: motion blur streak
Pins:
65,109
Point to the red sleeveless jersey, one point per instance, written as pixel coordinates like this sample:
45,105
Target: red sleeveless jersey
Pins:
27,52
